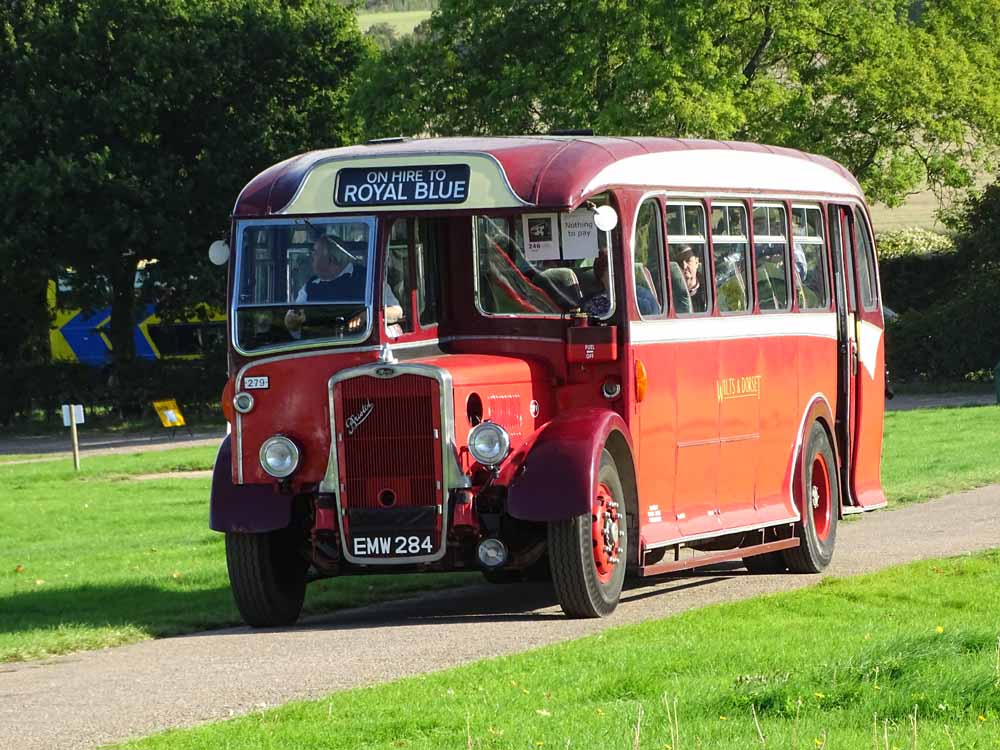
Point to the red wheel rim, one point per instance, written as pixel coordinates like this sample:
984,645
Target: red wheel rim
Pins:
819,497
605,533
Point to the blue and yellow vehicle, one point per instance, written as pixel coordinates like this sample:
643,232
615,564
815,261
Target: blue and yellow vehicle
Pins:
78,336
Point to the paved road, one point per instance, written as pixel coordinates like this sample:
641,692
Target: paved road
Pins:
51,448
935,400
83,700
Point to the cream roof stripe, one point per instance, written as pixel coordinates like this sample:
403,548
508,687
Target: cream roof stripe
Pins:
725,168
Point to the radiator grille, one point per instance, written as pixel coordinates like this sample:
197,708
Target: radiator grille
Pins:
389,441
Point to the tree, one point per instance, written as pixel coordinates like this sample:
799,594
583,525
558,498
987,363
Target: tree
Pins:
900,92
131,125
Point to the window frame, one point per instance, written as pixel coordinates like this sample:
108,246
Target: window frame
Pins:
666,299
691,239
733,239
822,242
787,255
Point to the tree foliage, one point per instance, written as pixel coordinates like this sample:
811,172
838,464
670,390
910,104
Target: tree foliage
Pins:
899,92
131,125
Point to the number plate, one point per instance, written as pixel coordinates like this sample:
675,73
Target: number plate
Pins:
259,383
412,545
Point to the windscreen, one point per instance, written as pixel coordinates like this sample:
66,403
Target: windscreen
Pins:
303,282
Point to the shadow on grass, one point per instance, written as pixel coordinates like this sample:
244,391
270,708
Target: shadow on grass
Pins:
155,611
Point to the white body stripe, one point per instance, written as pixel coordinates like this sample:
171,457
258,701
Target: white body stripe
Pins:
717,168
869,336
817,325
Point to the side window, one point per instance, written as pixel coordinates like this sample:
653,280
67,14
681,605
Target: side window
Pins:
770,246
411,265
688,245
427,251
866,261
396,291
650,294
809,258
730,250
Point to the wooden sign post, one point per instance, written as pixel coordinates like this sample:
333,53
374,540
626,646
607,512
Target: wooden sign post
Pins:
72,416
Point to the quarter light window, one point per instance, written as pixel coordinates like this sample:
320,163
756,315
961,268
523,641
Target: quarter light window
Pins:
866,261
650,294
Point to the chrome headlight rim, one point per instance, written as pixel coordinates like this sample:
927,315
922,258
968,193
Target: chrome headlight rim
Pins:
246,399
502,438
293,449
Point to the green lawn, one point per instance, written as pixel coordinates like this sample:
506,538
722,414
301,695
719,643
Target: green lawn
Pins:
865,662
931,452
403,22
96,559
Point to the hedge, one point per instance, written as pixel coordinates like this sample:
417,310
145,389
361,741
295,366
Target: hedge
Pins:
127,390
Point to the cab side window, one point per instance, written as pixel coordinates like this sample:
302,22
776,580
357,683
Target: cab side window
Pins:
866,261
688,252
412,266
770,245
730,251
650,292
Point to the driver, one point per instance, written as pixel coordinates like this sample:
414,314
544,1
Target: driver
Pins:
337,278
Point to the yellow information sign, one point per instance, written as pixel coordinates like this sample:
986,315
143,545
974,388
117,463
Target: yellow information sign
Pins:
169,413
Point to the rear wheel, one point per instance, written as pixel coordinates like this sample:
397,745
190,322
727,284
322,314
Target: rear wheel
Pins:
819,507
267,574
587,554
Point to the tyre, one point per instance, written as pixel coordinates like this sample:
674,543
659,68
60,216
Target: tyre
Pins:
267,574
587,554
820,506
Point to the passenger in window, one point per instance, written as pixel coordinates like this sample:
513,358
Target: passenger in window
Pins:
599,304
690,265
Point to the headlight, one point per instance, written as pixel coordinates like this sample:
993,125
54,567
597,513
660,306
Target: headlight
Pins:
489,443
279,456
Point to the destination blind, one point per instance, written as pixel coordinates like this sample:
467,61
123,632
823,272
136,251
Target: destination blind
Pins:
396,186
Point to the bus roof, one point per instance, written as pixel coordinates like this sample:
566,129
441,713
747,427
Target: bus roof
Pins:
554,171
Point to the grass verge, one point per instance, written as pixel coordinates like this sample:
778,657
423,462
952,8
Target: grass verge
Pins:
94,559
905,658
931,452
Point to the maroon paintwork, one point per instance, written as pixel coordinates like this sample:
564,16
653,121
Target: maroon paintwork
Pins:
542,170
573,442
252,507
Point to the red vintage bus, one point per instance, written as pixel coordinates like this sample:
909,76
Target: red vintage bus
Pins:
575,357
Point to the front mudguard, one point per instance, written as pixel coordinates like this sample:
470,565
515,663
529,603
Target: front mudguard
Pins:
246,508
553,476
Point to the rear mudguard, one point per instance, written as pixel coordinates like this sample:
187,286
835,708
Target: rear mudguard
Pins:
553,476
248,507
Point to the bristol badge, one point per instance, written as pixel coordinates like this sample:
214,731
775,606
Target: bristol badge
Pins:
354,421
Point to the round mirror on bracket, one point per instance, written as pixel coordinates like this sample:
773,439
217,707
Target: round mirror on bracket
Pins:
218,252
605,218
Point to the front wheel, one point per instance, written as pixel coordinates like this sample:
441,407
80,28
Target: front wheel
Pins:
267,574
819,507
587,554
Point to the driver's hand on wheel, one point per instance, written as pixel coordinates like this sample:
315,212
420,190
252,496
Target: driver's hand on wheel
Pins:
294,319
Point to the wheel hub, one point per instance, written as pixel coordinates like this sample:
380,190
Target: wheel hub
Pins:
606,533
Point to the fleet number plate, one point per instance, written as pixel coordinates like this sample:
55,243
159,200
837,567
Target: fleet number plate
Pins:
259,383
395,546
